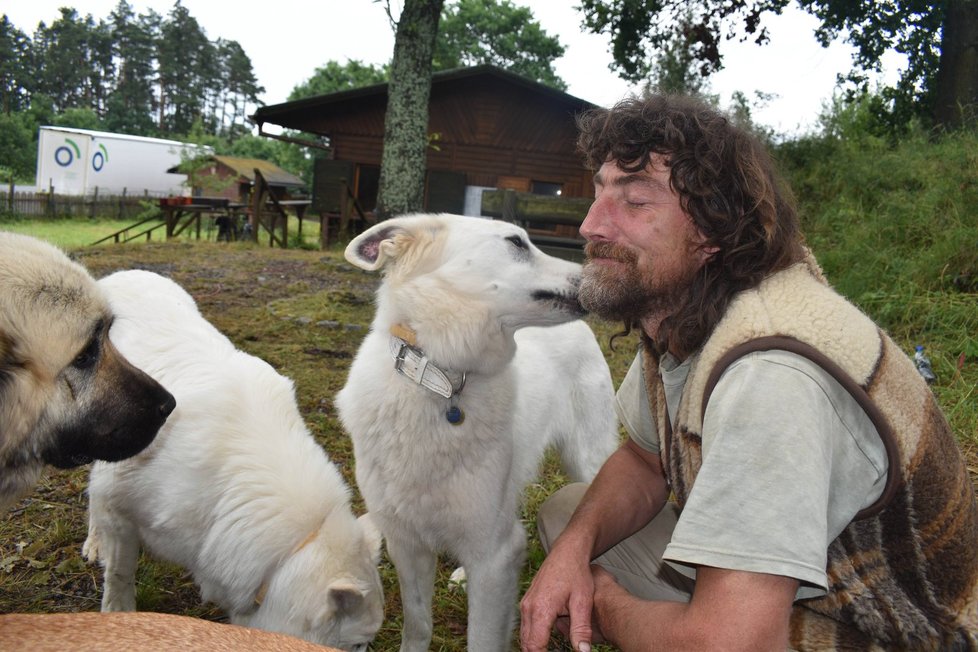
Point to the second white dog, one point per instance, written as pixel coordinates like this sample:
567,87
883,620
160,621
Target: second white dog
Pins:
453,398
234,488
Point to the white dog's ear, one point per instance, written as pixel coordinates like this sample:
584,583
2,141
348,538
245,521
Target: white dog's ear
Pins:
372,536
343,597
394,240
374,247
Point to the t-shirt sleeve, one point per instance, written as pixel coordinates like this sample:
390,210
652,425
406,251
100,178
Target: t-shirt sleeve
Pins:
632,407
788,459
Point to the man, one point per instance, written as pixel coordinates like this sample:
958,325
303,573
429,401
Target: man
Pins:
820,500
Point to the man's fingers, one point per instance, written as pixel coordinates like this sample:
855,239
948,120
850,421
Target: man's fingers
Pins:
580,623
534,629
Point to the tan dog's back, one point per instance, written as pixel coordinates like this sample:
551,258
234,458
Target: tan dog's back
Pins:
135,632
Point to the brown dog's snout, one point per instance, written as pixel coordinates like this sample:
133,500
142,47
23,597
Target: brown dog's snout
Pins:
167,406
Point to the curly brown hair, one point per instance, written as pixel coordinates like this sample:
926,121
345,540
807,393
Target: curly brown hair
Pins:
726,182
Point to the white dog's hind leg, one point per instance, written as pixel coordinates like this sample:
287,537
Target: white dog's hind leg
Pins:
492,588
415,566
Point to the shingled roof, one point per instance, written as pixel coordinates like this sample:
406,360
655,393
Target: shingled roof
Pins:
245,168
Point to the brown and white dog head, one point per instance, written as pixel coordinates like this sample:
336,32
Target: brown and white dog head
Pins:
67,396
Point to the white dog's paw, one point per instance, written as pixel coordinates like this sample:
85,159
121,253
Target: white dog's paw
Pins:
457,581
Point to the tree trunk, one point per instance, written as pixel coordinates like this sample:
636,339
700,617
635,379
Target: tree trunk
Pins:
402,171
956,99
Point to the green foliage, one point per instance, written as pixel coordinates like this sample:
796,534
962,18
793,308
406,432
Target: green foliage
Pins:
129,107
894,224
911,27
71,57
144,75
16,82
334,77
904,211
474,32
649,36
186,60
18,152
78,118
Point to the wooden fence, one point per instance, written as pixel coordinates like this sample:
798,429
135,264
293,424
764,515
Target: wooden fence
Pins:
51,205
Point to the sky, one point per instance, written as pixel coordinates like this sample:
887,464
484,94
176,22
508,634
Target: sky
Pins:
287,40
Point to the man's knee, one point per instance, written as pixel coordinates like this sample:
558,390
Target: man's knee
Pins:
556,511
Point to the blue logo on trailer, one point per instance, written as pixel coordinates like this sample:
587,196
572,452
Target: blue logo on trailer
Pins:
63,155
99,159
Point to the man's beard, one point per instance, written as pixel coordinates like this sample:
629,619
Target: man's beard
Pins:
628,293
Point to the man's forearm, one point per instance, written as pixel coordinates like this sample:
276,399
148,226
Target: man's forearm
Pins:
625,495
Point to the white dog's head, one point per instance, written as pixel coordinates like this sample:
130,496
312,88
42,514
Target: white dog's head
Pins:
328,591
465,283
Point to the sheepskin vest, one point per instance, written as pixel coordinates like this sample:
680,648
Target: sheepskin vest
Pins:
904,573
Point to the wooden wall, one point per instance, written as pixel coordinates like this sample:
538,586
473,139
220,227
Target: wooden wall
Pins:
487,128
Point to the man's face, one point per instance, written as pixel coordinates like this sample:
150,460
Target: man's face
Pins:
642,248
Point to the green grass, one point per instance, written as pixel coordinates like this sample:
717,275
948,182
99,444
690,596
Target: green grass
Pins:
895,227
71,233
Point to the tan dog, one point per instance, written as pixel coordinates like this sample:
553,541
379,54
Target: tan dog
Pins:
67,396
137,632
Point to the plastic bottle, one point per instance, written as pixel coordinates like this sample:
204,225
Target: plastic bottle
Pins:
923,364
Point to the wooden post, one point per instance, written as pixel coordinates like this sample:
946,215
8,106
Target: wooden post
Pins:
10,196
509,205
91,208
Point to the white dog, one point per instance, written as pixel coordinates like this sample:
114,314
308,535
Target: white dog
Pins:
452,400
234,488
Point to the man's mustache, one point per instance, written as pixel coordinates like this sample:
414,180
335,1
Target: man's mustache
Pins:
609,250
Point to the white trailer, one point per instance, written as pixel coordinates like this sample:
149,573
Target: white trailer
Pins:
85,162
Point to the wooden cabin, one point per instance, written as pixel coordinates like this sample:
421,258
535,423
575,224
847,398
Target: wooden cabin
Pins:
489,128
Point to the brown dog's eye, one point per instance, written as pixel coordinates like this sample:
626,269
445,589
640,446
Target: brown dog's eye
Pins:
88,357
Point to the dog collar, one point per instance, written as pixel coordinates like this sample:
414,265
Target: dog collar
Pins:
413,364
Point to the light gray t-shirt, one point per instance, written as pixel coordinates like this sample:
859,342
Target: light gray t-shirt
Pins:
789,457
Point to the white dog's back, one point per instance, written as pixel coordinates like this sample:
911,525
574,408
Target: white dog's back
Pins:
565,392
235,488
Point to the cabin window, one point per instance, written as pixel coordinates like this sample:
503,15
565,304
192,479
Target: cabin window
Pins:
548,188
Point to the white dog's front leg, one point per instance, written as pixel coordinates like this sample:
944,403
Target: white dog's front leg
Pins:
492,585
415,566
119,553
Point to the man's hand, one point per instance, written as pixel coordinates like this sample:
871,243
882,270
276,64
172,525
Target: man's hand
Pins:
563,589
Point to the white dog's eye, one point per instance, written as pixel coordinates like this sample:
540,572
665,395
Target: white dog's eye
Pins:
518,241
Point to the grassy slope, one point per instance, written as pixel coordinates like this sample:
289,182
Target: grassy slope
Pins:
895,228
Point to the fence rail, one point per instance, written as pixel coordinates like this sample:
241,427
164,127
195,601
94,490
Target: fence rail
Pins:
52,205
552,222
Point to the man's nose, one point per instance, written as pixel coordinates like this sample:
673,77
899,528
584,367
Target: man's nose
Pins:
594,226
